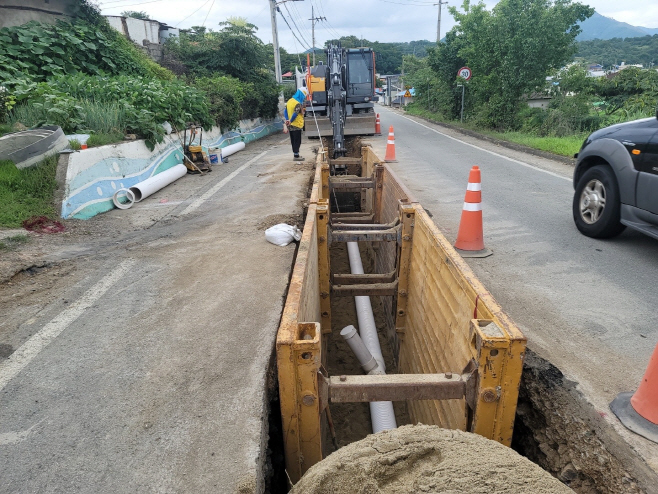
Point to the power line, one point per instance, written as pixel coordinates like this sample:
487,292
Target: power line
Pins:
291,30
131,5
204,4
330,28
211,6
293,21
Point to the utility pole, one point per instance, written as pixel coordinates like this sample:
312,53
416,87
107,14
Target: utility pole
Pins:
313,20
275,41
274,8
438,23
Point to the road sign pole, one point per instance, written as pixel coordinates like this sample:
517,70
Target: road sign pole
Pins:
463,88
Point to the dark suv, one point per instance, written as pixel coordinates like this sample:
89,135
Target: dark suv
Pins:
616,180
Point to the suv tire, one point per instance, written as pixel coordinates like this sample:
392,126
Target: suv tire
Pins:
596,204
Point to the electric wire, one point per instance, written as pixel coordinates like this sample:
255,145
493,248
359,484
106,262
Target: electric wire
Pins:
295,24
291,30
211,6
204,4
329,27
133,4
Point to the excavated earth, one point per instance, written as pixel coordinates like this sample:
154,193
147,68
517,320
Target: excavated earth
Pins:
423,458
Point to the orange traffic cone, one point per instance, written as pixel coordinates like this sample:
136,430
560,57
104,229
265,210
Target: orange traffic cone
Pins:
390,147
378,126
470,239
639,411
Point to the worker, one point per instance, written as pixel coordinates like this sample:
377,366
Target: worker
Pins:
294,116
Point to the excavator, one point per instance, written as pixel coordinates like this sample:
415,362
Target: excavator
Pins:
341,96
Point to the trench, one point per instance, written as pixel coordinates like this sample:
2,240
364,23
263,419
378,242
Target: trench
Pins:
555,427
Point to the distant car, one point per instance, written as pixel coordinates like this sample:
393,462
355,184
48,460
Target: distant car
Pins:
616,180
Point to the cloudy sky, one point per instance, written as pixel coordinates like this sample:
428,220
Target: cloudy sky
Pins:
375,20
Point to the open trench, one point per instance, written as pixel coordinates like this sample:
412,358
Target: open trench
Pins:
555,427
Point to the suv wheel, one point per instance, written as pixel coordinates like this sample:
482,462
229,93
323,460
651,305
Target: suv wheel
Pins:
596,205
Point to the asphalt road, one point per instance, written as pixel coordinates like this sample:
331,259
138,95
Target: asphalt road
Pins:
588,306
138,363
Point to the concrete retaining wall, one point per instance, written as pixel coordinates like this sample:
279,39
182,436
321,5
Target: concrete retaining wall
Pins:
94,175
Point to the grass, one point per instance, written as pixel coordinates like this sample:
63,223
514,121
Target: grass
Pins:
96,117
12,243
562,146
27,192
5,129
102,139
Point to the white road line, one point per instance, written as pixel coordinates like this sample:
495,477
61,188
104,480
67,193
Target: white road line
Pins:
210,192
522,163
31,348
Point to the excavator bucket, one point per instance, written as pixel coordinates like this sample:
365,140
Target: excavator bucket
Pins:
360,125
320,129
355,125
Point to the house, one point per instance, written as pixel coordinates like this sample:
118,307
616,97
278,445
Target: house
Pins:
146,33
19,12
403,98
539,100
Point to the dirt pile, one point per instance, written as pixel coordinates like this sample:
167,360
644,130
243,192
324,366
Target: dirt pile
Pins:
423,458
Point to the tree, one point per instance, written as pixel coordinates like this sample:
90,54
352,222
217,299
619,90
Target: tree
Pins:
511,49
136,15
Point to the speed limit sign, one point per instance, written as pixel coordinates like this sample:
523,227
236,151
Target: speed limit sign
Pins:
465,73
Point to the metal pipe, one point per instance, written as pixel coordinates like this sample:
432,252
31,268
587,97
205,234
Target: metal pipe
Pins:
153,184
381,412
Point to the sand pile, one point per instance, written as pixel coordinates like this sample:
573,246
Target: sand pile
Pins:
422,458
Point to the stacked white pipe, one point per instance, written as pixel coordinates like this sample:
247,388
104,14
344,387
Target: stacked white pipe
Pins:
381,412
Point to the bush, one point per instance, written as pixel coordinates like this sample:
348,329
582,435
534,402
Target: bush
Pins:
225,95
104,104
288,91
39,51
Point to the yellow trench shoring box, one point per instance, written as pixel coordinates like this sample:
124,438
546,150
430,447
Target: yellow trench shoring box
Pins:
460,352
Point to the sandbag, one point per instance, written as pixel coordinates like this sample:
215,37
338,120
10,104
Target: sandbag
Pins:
282,234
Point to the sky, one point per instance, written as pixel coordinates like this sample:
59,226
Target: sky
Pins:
374,20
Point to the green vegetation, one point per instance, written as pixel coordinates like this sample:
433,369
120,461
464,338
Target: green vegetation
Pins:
36,51
230,65
136,15
609,52
103,104
13,242
566,145
103,139
511,50
27,192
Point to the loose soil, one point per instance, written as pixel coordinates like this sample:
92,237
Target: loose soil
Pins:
424,458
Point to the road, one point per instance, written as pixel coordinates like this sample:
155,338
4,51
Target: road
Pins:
588,306
138,361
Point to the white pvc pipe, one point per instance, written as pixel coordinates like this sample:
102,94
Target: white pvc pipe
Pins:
365,358
127,195
153,184
232,149
381,412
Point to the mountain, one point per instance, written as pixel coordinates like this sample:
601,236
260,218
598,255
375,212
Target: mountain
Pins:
601,27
